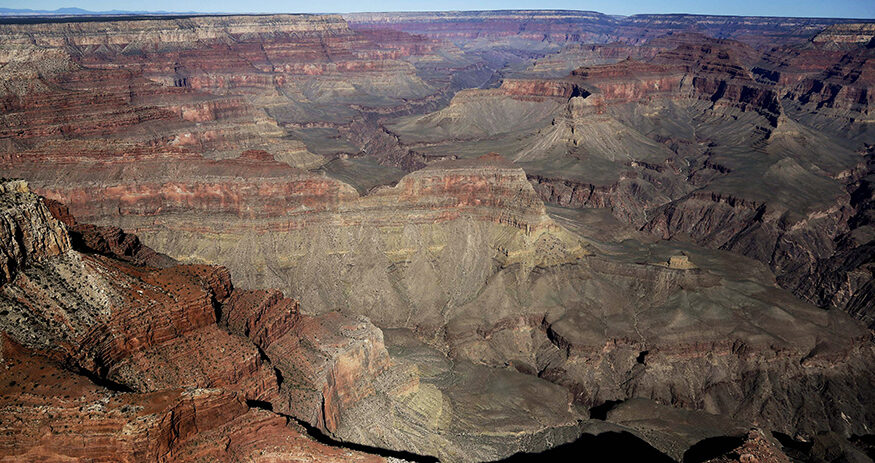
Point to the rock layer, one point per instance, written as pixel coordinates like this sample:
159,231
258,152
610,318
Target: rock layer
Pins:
502,320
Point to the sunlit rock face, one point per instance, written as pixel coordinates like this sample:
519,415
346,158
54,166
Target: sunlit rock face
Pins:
461,236
766,154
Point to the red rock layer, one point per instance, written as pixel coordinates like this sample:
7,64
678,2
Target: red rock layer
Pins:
108,241
330,361
49,414
710,70
182,381
113,90
535,89
254,187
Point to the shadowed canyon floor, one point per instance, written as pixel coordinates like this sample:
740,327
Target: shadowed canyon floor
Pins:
472,236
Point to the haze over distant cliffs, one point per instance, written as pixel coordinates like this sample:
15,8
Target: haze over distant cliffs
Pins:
465,236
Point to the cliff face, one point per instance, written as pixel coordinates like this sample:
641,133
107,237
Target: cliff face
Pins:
842,34
703,140
29,233
98,91
87,422
131,330
319,226
589,26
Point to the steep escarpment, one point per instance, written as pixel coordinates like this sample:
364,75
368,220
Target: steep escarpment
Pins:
293,85
29,232
51,413
98,365
704,140
108,241
70,306
842,34
261,360
471,27
319,227
844,279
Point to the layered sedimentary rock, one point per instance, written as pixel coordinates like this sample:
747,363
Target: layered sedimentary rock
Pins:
474,322
108,241
488,200
133,328
114,320
215,86
29,232
704,140
588,314
339,376
586,26
52,414
840,34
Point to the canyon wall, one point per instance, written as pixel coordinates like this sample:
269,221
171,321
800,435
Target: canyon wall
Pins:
405,290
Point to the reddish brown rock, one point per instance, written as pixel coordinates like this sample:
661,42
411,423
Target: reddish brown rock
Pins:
756,448
533,89
330,361
50,414
108,241
118,321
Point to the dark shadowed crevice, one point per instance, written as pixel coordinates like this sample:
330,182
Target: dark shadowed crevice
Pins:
866,443
262,404
279,376
795,449
608,446
600,412
712,447
642,357
323,438
103,382
721,90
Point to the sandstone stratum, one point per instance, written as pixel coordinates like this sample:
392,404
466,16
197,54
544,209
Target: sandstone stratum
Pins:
437,236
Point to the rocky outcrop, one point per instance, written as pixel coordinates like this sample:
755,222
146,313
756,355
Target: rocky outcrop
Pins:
130,390
844,279
842,34
537,89
108,241
28,232
339,357
630,80
50,413
338,375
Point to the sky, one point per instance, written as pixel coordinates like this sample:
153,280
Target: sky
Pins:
810,8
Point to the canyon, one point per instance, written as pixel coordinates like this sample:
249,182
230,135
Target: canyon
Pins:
457,236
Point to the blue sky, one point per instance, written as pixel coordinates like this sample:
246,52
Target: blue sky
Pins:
815,8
